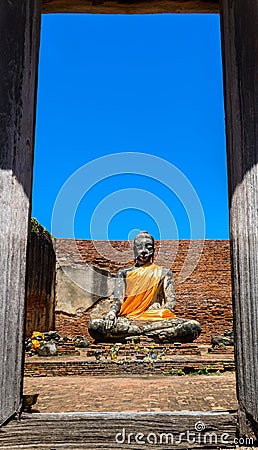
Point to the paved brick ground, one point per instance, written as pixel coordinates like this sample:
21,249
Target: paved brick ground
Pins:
64,394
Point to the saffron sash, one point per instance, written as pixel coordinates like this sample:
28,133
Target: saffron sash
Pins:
141,286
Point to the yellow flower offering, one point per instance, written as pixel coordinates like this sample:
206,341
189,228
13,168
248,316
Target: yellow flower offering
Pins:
36,334
35,345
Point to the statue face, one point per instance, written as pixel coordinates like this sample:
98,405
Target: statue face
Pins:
143,249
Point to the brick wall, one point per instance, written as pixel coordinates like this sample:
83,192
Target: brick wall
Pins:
41,267
73,325
205,295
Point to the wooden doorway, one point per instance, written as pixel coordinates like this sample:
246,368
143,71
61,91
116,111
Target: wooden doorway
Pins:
19,33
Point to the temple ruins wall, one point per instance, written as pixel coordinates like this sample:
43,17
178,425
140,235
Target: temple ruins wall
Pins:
65,303
204,295
40,291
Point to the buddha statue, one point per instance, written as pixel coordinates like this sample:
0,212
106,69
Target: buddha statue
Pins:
143,304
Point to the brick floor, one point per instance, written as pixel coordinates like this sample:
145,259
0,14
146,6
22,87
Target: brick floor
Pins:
145,393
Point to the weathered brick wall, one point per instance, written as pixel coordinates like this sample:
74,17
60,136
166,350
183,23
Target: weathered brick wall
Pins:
205,295
41,269
73,325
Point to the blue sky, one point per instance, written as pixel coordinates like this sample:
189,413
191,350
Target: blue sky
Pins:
147,84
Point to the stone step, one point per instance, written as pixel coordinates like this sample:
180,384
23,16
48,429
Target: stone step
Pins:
56,366
67,348
142,349
221,349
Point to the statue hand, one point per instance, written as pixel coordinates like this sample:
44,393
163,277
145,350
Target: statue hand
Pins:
110,320
155,305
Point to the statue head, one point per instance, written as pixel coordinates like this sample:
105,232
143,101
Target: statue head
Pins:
143,248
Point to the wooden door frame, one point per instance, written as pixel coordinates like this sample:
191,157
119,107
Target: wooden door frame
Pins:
19,39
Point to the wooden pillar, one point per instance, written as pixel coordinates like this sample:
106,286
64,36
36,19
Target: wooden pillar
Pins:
19,42
239,27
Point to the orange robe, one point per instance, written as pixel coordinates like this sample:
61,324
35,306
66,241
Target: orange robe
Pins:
141,286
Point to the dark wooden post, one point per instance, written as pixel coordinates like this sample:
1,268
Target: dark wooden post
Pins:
19,42
239,23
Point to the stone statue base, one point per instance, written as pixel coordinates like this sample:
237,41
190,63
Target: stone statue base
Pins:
165,331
